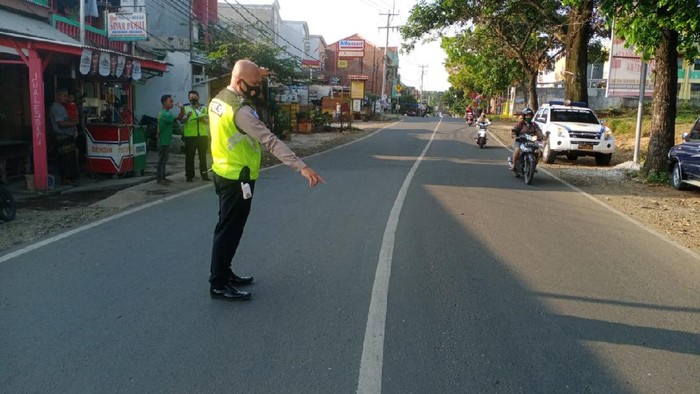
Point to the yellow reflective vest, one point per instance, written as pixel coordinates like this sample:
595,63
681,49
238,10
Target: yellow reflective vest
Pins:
235,155
195,124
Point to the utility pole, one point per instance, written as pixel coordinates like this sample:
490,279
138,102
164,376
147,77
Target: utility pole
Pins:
422,72
386,46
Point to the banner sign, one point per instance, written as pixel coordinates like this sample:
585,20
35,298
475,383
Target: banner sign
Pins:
127,27
351,48
624,72
357,89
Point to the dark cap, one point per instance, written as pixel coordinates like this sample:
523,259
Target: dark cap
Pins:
61,91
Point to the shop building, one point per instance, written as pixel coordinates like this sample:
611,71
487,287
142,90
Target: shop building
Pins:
37,57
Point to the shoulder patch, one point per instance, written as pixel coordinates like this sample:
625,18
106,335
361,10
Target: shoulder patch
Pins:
217,108
252,112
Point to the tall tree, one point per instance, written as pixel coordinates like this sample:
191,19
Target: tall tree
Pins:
659,30
518,26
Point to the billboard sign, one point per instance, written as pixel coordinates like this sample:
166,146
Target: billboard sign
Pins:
351,48
624,72
127,27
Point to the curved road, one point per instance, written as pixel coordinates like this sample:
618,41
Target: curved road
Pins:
421,266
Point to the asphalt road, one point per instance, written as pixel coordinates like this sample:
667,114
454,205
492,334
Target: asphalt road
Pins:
422,265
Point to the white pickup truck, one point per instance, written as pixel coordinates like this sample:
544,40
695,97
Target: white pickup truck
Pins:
574,131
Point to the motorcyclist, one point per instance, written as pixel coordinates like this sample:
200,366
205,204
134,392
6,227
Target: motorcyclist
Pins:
527,126
483,119
469,114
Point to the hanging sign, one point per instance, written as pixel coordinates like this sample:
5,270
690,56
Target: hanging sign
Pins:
104,64
85,61
127,69
136,71
127,26
121,60
95,62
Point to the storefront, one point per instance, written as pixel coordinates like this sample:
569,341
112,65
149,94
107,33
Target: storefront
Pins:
34,67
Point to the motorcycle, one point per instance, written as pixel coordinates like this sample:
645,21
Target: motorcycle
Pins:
8,207
481,137
530,151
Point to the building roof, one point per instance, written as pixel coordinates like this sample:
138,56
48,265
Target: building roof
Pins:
23,27
11,22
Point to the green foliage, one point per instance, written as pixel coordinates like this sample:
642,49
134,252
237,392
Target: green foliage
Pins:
659,177
228,48
641,23
320,118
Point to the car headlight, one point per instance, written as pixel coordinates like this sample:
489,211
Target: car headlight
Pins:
561,132
608,133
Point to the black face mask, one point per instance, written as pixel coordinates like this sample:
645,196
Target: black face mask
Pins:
194,102
253,93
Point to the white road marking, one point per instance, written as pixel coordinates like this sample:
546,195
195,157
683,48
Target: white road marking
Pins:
370,379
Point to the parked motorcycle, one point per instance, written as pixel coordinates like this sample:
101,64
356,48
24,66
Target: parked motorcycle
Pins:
8,207
481,134
530,151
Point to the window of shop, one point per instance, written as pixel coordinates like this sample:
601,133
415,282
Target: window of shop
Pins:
695,90
696,65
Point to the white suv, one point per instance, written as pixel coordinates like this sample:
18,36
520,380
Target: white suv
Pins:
574,131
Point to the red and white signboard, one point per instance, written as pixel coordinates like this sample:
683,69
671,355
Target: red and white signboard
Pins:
351,48
625,72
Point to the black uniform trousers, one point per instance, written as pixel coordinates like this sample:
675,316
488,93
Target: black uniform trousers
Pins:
200,145
233,214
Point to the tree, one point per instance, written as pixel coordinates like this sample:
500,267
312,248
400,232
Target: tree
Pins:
518,27
659,30
227,48
477,63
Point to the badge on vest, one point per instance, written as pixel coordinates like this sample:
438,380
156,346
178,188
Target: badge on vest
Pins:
245,188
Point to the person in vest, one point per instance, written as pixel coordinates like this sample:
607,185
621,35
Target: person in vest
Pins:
196,136
236,138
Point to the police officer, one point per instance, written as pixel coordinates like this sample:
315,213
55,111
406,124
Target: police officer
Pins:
236,136
196,136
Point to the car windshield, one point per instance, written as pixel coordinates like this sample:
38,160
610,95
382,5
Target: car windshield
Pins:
573,115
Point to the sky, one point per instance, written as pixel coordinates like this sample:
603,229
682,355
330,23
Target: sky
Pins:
336,19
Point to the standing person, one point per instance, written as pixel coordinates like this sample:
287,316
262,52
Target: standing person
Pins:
236,136
65,133
196,136
165,135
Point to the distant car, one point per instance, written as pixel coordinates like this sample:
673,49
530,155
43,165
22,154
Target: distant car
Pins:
574,130
684,159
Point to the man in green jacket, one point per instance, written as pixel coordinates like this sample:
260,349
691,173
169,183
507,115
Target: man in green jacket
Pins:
165,135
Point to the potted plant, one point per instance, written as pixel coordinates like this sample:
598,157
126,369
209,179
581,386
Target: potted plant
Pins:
304,124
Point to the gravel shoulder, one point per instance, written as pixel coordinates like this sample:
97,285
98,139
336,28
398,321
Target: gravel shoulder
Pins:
664,209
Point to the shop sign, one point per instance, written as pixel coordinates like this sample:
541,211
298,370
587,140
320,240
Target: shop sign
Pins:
351,54
351,45
121,60
136,70
127,26
37,102
357,105
104,64
85,61
351,48
357,89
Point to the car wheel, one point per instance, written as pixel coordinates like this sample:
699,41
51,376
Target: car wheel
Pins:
572,156
548,155
603,159
677,177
